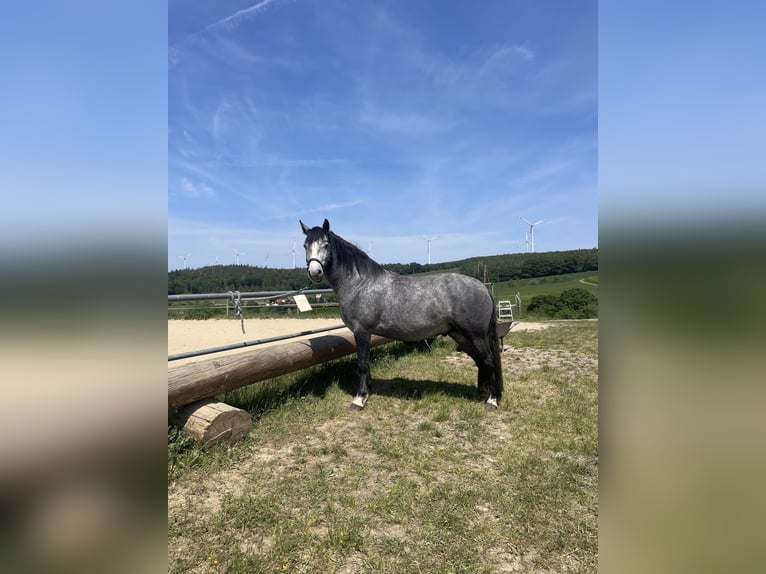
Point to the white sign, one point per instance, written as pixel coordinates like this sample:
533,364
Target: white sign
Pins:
303,303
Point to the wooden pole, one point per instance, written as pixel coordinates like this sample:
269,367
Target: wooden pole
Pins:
210,377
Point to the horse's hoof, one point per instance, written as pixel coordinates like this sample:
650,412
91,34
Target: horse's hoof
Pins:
490,407
358,403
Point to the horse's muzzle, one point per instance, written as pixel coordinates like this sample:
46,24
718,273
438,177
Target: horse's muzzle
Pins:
315,270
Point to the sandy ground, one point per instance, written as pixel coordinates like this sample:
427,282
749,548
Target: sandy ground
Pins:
192,335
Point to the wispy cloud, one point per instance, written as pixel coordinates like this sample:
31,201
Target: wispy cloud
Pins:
413,123
203,172
285,212
241,15
503,56
284,162
226,24
231,21
196,190
336,206
541,173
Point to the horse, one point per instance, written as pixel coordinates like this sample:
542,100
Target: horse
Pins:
374,300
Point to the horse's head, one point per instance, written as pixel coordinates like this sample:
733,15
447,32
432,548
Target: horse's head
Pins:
317,246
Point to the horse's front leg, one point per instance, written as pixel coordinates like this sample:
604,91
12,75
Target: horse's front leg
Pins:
362,339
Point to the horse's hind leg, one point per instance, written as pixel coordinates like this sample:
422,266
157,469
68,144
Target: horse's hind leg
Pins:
362,339
468,345
489,365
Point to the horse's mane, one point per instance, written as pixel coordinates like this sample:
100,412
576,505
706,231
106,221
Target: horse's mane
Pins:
349,256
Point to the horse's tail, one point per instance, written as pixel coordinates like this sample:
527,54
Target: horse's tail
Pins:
494,342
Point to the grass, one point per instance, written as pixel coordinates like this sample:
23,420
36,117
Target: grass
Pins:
551,285
423,480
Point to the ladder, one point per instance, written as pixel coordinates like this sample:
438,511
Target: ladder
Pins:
505,308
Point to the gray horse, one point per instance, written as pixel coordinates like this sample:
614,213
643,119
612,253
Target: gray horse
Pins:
375,300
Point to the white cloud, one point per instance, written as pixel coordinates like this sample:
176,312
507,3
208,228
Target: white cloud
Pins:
197,190
279,212
524,52
228,23
241,15
401,123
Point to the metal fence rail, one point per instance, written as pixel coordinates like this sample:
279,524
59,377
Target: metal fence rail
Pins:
243,295
233,346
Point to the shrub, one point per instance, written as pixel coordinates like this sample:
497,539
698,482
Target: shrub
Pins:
574,303
543,304
580,303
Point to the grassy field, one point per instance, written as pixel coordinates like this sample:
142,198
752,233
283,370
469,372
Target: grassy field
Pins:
423,480
552,285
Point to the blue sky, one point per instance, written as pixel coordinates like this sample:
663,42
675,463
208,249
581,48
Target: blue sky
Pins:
394,120
681,122
83,110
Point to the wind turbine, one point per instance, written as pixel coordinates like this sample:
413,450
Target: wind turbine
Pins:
293,252
216,260
185,257
531,231
369,250
524,241
428,241
237,254
266,263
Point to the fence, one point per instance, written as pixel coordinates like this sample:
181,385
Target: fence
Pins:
259,301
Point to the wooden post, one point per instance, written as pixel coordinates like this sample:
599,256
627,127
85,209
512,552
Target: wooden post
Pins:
212,422
207,378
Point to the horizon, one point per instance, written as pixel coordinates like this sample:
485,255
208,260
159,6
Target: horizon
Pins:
447,262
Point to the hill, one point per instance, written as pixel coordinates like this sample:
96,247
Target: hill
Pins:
499,268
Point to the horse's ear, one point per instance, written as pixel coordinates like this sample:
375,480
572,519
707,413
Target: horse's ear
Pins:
326,226
304,227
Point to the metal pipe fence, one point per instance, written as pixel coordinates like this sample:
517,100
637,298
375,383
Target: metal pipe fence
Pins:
233,346
244,295
238,297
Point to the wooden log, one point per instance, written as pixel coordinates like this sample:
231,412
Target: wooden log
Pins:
212,422
207,378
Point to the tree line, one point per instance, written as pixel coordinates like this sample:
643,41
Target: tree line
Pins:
493,268
511,266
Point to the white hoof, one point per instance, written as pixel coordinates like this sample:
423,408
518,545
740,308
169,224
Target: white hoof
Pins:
359,401
491,403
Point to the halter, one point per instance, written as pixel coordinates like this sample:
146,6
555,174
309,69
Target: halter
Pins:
308,264
315,259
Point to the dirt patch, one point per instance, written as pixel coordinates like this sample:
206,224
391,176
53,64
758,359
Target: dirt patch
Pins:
522,361
203,498
531,326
